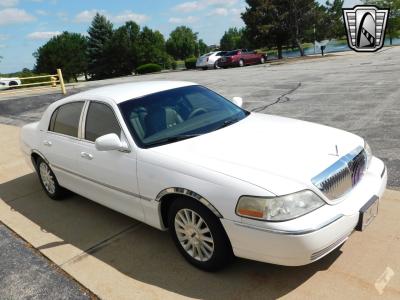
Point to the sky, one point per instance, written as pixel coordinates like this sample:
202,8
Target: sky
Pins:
25,25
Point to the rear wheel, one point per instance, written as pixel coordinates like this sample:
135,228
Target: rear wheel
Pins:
199,235
49,181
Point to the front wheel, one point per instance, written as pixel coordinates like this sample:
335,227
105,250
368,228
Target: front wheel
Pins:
241,63
199,235
262,60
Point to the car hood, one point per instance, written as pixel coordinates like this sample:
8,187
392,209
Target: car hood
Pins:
276,153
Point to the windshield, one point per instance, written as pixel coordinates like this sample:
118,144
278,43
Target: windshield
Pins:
177,114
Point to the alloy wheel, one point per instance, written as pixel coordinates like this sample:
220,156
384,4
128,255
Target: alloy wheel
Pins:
194,235
47,178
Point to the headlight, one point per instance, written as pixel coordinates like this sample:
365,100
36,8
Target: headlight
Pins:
368,151
278,208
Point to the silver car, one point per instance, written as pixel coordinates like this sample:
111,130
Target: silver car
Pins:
209,60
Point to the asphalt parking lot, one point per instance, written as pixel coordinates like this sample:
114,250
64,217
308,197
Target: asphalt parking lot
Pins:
118,258
358,92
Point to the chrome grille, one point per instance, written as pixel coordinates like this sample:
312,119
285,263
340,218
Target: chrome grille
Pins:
343,175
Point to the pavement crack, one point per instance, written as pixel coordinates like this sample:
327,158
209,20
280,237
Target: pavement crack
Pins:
93,249
281,99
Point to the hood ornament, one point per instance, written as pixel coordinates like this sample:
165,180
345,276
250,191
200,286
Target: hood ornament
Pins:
337,151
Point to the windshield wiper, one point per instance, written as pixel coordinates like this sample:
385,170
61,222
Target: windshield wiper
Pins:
171,139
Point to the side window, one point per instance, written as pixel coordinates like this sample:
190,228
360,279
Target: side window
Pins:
66,118
100,120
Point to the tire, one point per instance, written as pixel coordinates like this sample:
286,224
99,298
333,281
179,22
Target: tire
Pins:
262,60
216,65
209,250
13,83
241,63
49,181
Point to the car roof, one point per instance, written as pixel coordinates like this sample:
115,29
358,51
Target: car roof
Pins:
127,91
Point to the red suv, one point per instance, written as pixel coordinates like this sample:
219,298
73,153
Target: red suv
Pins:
242,57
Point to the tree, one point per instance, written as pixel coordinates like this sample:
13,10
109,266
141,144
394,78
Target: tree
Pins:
393,23
66,51
233,38
122,51
300,18
267,23
182,43
152,47
333,24
203,48
100,35
278,23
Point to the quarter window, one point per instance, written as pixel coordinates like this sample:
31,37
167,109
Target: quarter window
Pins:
100,120
65,119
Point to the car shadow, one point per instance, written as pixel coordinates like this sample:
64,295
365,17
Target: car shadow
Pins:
146,254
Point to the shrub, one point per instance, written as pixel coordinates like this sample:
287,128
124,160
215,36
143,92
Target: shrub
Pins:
190,63
148,68
174,65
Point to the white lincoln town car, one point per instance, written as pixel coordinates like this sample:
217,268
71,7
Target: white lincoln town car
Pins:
225,182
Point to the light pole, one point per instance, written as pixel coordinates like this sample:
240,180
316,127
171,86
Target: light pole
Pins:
314,39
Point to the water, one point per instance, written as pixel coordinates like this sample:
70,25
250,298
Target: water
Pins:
333,46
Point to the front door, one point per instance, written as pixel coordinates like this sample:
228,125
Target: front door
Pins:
108,177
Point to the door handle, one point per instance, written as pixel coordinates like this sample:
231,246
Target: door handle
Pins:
86,155
47,143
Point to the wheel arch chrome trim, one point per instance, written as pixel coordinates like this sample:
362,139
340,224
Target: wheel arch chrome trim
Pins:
189,193
37,152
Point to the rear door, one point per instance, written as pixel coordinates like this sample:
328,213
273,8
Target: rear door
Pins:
60,142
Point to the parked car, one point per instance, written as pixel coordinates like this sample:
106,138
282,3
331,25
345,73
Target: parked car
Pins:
6,83
209,60
224,181
242,57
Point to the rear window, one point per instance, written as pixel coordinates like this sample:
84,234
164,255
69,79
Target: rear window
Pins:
65,119
230,53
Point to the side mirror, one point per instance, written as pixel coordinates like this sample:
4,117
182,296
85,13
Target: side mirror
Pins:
110,142
238,101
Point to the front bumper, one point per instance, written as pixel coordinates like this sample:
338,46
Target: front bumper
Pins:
311,237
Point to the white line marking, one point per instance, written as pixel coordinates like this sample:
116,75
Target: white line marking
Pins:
383,280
